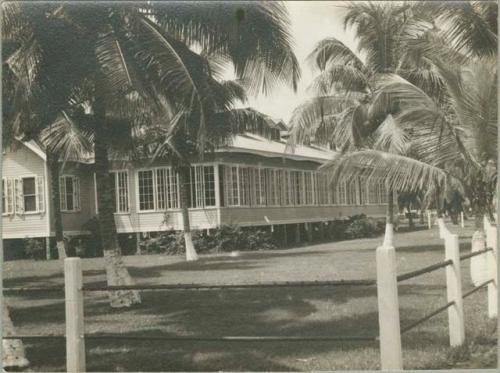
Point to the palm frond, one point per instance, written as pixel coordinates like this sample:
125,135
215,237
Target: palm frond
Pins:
254,36
332,51
343,78
400,172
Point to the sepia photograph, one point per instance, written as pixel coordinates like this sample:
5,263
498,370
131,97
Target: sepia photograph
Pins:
243,186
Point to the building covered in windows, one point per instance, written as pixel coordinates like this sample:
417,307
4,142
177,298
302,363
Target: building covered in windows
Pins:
253,182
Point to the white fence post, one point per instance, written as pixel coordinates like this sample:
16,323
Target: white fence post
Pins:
391,357
454,291
442,228
462,222
75,343
491,258
389,235
429,219
478,264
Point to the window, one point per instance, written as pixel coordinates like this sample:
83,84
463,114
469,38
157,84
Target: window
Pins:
352,191
298,186
363,187
172,189
341,193
202,186
158,189
146,190
382,191
308,182
209,185
119,186
29,194
244,186
69,190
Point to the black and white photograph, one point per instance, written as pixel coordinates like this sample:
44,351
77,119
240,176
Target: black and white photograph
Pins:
240,186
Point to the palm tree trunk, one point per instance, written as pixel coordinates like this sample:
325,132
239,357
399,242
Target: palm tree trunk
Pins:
52,160
389,221
116,272
390,207
191,254
410,218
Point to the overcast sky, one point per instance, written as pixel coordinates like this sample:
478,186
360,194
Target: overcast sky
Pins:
311,21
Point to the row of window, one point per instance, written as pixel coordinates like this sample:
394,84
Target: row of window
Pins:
23,195
252,186
158,189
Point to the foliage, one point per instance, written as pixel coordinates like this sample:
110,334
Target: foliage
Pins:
33,248
421,109
224,239
360,226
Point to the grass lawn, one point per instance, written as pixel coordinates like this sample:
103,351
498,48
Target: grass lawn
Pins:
266,312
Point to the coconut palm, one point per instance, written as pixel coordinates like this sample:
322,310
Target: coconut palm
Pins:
413,88
343,113
142,50
442,147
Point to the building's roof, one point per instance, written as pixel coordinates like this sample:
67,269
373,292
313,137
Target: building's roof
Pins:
244,143
250,143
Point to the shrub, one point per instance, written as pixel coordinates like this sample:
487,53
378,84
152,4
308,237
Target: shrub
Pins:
223,239
33,249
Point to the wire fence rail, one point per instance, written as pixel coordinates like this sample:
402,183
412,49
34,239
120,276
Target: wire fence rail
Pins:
387,295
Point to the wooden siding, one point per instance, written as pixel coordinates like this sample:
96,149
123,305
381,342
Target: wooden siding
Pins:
246,216
73,221
18,162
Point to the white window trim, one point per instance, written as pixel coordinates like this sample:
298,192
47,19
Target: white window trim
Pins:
155,197
75,210
116,191
37,211
5,190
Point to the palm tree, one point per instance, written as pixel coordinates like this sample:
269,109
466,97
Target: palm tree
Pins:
343,113
142,50
420,88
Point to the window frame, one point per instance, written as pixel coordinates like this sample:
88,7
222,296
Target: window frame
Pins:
37,198
169,174
75,196
117,189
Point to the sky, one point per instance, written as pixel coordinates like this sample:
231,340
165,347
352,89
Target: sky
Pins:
311,21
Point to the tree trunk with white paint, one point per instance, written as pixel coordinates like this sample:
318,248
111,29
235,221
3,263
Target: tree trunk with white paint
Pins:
116,272
191,254
52,160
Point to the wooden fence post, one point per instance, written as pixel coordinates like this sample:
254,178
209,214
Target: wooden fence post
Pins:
454,291
491,258
462,222
429,220
75,343
391,357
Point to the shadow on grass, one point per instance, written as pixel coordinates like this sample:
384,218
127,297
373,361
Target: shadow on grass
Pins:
249,312
246,260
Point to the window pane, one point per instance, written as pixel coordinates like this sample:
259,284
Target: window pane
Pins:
146,190
209,179
161,188
122,191
29,203
29,186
